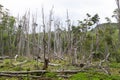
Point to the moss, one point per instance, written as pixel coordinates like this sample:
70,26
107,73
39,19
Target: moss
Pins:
51,75
94,76
18,68
5,78
114,65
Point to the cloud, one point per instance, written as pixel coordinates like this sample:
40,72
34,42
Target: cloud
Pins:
77,8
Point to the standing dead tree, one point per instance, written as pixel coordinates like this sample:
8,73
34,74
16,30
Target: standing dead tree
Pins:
20,37
49,32
34,36
46,61
26,31
69,37
57,39
118,17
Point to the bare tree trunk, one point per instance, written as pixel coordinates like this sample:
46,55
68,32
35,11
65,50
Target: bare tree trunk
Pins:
74,56
44,43
39,41
55,39
118,18
49,32
2,44
69,38
19,41
26,30
34,39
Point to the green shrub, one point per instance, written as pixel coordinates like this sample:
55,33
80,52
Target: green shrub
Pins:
7,62
94,76
28,69
51,75
18,68
91,76
115,77
117,56
21,59
6,78
114,65
79,76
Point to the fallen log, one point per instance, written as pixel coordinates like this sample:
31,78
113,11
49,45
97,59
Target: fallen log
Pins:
20,63
41,71
16,75
52,64
30,76
64,76
69,71
23,72
4,57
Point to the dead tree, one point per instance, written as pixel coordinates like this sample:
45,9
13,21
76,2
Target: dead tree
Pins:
69,46
44,43
46,61
118,17
49,32
27,50
74,56
19,38
34,39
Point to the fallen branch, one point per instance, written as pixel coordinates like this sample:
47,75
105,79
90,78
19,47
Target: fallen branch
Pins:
4,57
103,61
41,71
58,57
52,64
68,71
20,63
31,76
23,72
64,76
18,76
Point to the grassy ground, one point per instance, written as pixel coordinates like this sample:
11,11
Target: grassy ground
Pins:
91,74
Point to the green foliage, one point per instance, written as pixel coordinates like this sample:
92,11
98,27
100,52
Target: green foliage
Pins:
79,76
8,63
51,75
6,31
6,78
5,35
114,65
93,76
21,59
107,35
114,77
116,55
18,68
95,18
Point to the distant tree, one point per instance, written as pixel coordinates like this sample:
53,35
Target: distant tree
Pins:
117,16
7,31
82,39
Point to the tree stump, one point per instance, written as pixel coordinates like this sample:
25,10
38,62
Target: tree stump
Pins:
46,61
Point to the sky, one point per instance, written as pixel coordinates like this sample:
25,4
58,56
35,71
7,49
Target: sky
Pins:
77,8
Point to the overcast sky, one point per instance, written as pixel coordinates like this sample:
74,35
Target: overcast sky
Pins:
77,8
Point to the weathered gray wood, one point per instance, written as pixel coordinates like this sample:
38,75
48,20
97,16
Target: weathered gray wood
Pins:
20,63
18,76
4,57
23,72
41,71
